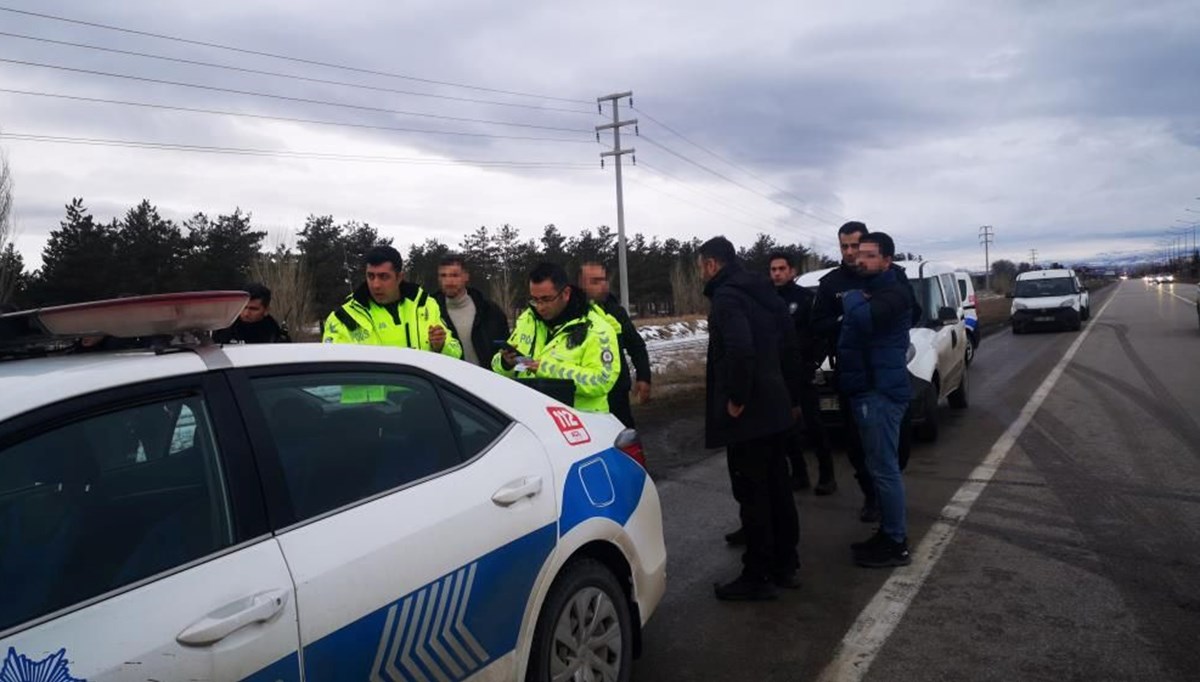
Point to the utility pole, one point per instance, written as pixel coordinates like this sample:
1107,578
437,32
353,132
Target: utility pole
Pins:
616,152
985,236
1033,258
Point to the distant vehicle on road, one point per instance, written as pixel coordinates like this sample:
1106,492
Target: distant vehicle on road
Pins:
937,349
1053,298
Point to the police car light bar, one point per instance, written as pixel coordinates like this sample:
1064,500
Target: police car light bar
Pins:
193,311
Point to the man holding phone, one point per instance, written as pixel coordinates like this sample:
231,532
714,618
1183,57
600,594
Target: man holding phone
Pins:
387,311
562,336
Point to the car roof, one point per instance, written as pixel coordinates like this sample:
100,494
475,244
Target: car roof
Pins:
33,383
913,269
1046,274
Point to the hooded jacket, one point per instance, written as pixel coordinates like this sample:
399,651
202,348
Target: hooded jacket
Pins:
874,338
752,359
579,345
490,326
827,308
404,324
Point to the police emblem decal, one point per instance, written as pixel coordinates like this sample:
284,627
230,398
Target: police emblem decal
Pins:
53,668
793,307
606,357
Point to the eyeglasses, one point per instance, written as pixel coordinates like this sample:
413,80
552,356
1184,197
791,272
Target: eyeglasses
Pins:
545,300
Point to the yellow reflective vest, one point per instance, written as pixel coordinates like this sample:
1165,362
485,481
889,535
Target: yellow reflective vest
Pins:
583,350
404,324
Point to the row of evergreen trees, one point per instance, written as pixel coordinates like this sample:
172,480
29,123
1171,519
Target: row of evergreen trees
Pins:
88,259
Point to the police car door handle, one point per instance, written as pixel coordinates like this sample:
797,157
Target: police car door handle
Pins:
518,490
234,616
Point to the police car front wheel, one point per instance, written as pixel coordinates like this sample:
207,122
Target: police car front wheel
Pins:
584,631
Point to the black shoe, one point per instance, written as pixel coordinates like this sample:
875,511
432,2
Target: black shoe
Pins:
745,588
869,543
884,554
869,513
788,580
737,538
825,486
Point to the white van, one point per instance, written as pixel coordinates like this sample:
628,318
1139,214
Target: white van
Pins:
1050,298
966,292
937,351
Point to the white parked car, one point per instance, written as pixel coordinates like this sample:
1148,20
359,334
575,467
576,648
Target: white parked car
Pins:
937,352
1049,298
306,511
966,293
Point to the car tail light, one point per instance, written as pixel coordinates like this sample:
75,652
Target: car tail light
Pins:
629,443
971,299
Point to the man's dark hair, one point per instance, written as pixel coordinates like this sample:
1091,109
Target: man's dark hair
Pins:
782,255
453,259
549,271
259,292
382,253
719,249
887,247
852,227
593,263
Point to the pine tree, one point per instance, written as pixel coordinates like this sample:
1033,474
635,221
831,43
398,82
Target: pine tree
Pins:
149,252
78,261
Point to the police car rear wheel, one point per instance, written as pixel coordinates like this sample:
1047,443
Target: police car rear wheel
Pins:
583,632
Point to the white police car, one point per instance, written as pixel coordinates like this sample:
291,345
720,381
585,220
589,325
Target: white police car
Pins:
306,511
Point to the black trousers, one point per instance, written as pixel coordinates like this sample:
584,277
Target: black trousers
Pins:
618,405
810,433
759,474
854,449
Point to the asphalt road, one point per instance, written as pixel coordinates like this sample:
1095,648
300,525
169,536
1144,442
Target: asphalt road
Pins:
1080,560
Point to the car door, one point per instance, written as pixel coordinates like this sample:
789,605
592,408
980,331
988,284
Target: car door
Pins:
953,364
415,520
132,523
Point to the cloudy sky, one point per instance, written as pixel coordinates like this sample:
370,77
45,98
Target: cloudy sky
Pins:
1072,127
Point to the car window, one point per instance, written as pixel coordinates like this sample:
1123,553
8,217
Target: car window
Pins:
1053,286
962,289
950,290
930,292
105,501
344,437
476,427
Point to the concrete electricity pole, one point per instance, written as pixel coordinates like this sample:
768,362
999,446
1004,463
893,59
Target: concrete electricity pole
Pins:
617,153
985,236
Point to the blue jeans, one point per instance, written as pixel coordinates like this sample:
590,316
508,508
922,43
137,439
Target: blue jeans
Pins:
878,420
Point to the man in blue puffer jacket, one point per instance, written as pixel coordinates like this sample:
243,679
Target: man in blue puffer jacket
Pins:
874,374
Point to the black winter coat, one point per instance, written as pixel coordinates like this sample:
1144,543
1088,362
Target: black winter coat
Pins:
631,343
266,330
490,325
752,359
800,306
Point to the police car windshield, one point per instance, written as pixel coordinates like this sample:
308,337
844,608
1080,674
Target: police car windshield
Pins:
1056,286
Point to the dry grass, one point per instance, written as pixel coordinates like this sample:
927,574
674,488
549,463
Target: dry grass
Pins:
992,311
663,321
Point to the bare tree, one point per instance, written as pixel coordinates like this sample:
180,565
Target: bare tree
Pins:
8,275
687,288
284,273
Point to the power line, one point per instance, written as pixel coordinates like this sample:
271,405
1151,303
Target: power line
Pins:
692,204
730,180
288,119
248,151
743,169
290,58
277,74
289,98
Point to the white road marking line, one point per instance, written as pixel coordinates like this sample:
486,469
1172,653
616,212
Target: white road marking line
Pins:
866,637
1185,300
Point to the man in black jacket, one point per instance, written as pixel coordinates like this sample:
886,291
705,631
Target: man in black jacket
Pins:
593,277
782,268
477,322
254,324
827,325
751,384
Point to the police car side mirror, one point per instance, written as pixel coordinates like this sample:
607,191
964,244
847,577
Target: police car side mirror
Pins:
947,315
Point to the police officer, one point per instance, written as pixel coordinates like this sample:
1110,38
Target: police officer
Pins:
782,268
563,336
593,277
387,311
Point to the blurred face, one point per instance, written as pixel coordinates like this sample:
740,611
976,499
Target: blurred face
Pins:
254,311
849,245
870,261
781,272
384,283
708,268
595,282
453,280
548,301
